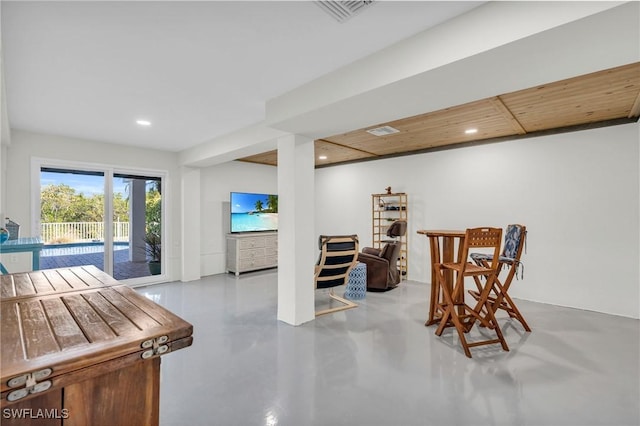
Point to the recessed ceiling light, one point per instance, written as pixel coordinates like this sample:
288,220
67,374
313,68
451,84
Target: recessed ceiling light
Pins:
322,157
471,131
143,122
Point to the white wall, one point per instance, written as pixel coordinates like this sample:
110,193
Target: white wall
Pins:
577,193
216,183
26,145
5,137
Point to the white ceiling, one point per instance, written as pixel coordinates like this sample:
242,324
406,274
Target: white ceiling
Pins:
196,70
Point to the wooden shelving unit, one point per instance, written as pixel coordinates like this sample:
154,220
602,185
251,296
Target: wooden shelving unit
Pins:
385,209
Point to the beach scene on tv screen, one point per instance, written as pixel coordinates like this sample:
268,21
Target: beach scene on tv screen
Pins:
254,212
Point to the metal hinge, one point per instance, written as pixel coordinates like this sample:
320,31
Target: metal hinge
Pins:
31,384
155,346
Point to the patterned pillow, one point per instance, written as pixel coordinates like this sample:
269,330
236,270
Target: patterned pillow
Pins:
512,241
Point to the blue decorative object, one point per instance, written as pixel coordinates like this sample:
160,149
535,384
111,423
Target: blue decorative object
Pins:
4,235
357,285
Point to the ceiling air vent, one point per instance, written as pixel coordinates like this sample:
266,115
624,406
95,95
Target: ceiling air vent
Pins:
341,11
383,131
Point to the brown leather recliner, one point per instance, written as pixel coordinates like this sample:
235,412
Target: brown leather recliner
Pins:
382,264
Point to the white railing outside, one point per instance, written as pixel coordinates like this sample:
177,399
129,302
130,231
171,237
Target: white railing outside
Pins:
72,232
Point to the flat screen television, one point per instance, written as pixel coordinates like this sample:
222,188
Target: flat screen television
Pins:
252,212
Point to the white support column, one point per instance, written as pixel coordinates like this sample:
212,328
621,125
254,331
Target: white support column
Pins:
296,229
190,258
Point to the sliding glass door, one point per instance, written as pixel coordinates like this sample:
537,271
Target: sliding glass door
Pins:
120,234
137,235
72,217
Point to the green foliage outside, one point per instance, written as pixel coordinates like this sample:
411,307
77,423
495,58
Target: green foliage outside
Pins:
153,239
154,211
62,204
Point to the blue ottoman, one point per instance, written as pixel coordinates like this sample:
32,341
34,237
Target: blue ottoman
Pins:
357,285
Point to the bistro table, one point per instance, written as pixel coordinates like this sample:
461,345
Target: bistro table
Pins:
83,348
442,244
19,245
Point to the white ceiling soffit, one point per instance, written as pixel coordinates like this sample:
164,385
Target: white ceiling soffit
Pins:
561,52
341,11
197,70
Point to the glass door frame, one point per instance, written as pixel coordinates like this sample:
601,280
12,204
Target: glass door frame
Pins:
109,171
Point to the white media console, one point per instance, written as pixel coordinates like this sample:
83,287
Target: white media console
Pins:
252,251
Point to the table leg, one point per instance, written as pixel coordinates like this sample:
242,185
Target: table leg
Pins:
434,245
447,257
441,252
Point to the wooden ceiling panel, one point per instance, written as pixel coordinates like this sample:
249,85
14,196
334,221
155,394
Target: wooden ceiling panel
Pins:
269,158
336,153
604,96
435,129
599,96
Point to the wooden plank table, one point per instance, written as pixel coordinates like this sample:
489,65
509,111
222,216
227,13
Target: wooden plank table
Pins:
442,244
76,342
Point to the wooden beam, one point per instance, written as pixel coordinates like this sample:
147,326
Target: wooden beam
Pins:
635,109
347,147
499,105
509,138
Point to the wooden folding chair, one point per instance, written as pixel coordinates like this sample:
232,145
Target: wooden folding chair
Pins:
514,241
338,255
456,312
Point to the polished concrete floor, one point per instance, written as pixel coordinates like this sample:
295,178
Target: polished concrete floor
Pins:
379,365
